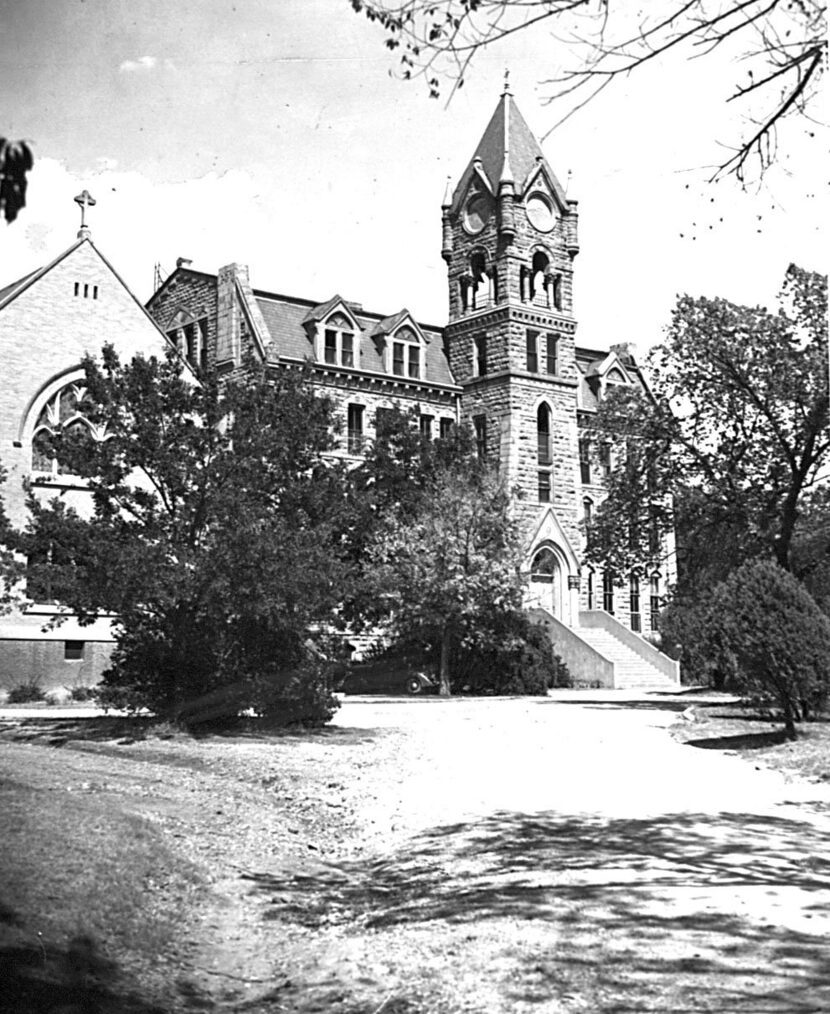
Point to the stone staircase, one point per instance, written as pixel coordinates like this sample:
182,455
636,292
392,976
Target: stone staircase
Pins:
631,670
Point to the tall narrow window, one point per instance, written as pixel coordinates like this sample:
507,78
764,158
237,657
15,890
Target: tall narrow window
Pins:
544,486
532,351
543,452
551,354
414,362
605,459
608,591
587,510
397,359
591,592
585,461
355,429
445,427
634,601
654,602
480,355
330,350
425,423
480,427
347,349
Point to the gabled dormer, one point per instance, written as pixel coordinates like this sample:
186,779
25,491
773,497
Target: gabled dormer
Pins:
335,333
402,345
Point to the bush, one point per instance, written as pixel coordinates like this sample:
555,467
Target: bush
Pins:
81,693
301,697
511,656
26,692
769,633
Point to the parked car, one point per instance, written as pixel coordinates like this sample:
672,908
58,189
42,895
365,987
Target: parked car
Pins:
389,673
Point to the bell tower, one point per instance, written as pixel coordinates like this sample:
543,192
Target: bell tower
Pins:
509,242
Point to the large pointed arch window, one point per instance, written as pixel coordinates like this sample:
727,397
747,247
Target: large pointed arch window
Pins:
544,456
60,415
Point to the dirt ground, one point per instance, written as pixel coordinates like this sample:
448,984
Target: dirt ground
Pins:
423,856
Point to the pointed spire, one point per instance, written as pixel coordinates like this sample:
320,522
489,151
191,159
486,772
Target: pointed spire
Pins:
507,152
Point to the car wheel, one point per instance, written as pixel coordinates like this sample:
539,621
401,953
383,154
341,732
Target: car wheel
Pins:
413,685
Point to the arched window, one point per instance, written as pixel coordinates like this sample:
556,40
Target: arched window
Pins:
339,341
544,457
543,567
587,509
539,268
480,286
406,353
61,414
591,590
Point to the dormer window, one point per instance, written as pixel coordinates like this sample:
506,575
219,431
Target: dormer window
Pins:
406,354
338,341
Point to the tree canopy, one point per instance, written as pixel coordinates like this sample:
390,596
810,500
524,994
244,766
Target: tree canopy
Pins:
733,439
15,162
211,538
450,561
781,44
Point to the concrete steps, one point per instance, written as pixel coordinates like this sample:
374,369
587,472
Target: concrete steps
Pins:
631,671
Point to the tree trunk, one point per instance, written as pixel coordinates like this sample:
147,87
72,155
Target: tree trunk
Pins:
444,679
789,722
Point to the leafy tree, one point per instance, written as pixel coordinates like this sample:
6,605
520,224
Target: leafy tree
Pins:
11,568
389,484
504,652
772,636
448,562
15,161
211,541
781,43
734,438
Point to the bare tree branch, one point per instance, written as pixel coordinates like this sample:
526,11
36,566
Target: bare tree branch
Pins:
783,42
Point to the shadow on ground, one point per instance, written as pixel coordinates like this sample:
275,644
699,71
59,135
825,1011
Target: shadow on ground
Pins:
681,912
39,977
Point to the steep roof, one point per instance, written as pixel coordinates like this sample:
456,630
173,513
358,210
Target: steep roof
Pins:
285,317
508,150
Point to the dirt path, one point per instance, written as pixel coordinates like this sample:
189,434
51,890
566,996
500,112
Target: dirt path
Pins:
495,856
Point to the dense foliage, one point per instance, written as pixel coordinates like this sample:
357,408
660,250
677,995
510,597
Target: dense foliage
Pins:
210,541
728,454
449,560
772,640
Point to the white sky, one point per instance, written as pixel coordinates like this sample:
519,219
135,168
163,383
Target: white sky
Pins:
270,132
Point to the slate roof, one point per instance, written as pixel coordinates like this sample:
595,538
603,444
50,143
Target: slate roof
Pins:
285,316
523,153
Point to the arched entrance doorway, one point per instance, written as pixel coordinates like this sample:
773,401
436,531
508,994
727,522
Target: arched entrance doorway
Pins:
546,581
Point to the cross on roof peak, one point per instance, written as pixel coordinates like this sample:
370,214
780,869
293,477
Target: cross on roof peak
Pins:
84,200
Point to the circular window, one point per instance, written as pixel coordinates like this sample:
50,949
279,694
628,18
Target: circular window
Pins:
540,212
477,213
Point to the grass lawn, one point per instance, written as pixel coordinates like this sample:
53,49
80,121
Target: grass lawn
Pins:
92,901
743,731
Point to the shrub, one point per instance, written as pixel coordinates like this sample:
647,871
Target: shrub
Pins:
81,693
25,692
769,632
512,655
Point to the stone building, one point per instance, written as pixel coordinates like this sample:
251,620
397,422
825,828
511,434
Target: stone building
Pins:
49,320
507,363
